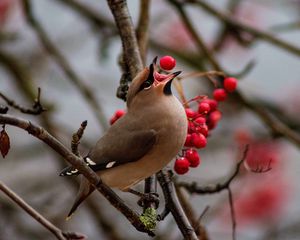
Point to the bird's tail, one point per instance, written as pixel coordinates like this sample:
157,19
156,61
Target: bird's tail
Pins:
85,190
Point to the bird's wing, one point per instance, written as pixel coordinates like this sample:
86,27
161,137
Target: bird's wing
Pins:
111,151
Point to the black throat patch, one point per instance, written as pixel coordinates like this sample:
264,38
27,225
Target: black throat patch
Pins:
167,88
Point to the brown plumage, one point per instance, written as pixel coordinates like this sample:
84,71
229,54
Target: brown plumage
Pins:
141,142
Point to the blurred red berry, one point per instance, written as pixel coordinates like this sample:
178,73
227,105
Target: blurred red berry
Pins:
200,120
188,140
230,84
213,104
203,108
182,165
193,157
191,127
203,129
199,140
190,113
167,62
220,94
213,118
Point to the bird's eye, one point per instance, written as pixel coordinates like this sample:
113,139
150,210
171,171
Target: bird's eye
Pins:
146,85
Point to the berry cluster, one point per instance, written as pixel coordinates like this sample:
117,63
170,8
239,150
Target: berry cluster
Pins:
200,123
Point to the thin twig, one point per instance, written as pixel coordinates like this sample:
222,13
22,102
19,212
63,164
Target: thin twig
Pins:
76,138
190,213
232,213
233,23
174,206
79,164
53,51
36,109
194,188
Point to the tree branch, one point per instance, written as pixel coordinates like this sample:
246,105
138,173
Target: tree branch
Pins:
36,109
268,37
78,163
174,206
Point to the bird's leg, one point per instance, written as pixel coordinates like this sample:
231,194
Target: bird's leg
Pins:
153,197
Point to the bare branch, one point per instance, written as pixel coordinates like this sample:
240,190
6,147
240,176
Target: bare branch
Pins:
79,164
76,138
35,110
232,213
268,37
174,206
190,213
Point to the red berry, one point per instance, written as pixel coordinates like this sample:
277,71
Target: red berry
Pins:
203,108
200,120
119,113
191,127
193,157
219,94
213,118
199,140
188,140
181,165
167,62
203,129
213,104
230,84
190,113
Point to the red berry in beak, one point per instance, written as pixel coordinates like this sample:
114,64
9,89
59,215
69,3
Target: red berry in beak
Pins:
167,63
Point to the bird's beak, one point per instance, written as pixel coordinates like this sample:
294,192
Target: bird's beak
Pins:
163,82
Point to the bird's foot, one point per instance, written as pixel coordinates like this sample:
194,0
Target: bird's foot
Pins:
149,198
146,198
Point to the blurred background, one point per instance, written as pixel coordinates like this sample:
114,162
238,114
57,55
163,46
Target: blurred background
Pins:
266,204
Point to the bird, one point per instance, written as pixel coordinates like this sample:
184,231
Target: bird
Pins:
140,143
